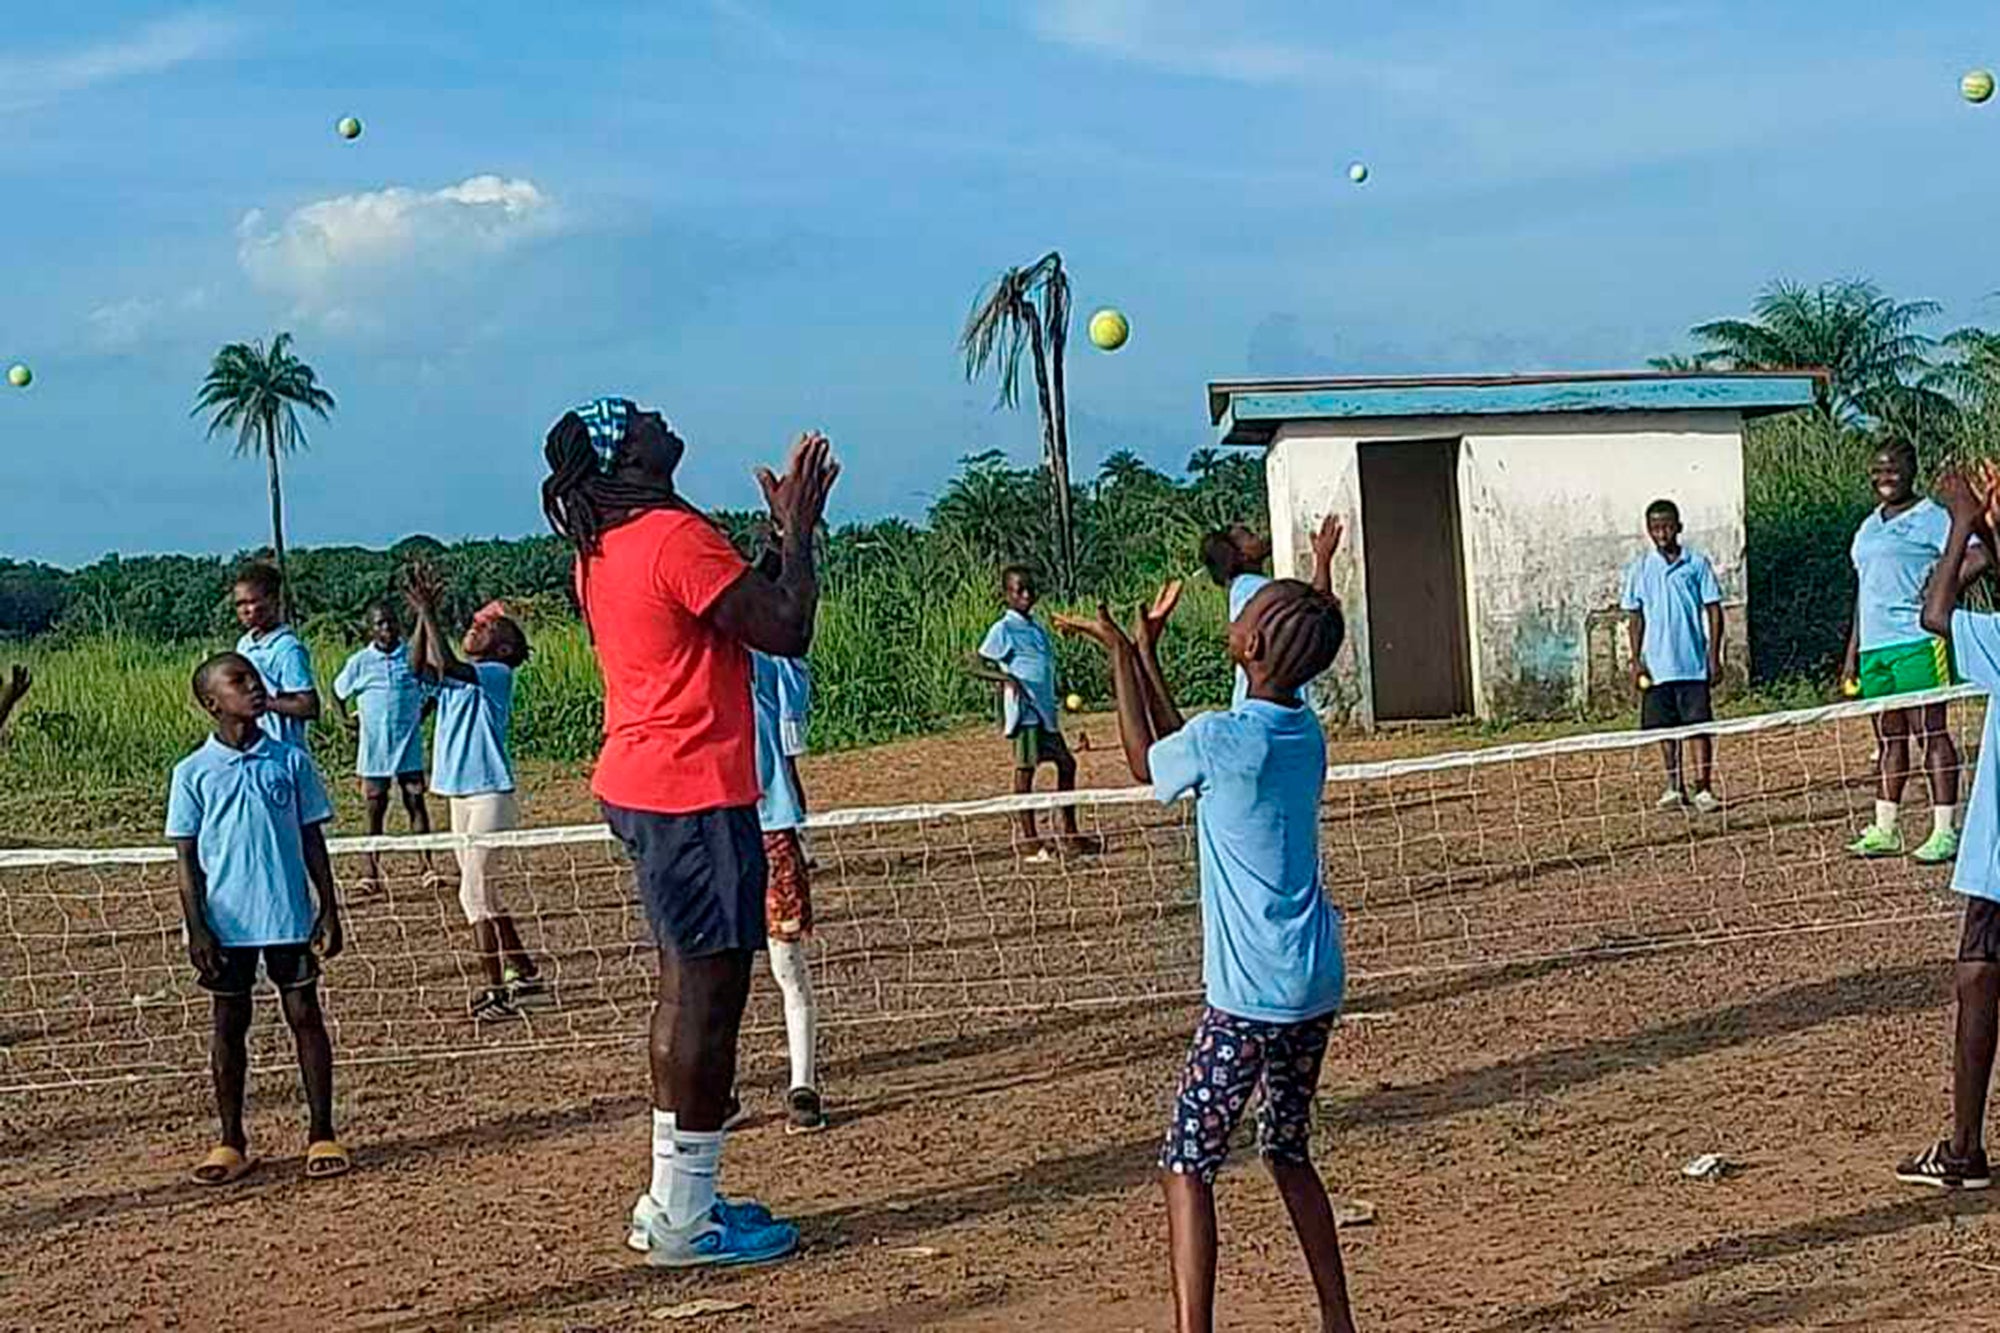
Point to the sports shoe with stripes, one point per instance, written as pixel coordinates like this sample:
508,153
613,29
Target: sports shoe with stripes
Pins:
647,1214
724,1238
1939,1167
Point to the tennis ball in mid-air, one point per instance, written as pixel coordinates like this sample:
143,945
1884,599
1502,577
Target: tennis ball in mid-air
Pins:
349,127
1109,330
1357,172
20,376
1977,85
1074,703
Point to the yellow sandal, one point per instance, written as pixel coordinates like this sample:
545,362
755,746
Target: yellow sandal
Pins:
224,1165
327,1159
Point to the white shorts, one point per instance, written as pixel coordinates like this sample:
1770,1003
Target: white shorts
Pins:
488,812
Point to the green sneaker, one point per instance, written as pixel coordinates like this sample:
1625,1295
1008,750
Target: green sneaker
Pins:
1877,842
1940,847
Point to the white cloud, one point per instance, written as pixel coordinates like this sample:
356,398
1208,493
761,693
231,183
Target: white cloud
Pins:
1182,38
31,80
328,255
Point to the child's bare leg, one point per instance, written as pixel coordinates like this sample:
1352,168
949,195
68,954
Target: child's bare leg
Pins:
229,1062
1940,757
1893,728
1024,822
1066,781
377,800
1702,750
1671,752
1191,1250
419,813
1311,1211
1978,1023
511,948
486,939
315,1049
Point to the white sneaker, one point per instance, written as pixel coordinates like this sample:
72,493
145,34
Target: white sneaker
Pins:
647,1215
722,1238
1040,858
1705,802
1670,800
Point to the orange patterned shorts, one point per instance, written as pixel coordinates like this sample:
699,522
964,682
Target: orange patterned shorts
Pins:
788,904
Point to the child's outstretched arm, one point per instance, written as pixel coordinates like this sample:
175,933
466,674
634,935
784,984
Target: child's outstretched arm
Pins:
203,950
1128,687
438,661
1326,545
1146,630
327,937
985,668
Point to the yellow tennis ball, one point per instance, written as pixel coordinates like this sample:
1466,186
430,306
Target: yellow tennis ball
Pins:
20,376
1977,85
1109,330
1357,172
1645,682
349,127
1074,703
1851,688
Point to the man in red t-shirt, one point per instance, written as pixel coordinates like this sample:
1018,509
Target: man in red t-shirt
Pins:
673,611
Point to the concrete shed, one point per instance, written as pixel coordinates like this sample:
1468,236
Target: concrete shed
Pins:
1491,518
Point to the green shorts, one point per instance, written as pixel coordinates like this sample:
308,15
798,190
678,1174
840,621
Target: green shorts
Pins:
1906,668
1035,745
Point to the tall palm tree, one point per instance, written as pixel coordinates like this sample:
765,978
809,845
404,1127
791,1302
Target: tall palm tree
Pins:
1028,308
257,393
1875,358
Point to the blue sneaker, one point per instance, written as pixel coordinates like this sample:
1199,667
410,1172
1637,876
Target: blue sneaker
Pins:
721,1238
647,1215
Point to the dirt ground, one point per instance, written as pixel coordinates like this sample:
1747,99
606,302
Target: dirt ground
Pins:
1523,1073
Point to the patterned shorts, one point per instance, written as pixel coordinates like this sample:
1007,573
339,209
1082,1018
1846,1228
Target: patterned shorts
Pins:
1228,1058
788,904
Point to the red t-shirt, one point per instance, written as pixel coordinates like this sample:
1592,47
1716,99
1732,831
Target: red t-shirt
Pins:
679,733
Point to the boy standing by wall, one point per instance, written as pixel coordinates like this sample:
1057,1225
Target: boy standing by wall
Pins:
1673,606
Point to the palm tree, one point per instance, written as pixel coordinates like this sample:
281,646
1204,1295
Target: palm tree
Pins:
1876,362
257,394
1029,308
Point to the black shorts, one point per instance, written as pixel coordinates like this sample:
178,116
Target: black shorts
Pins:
1675,703
1979,942
701,876
289,967
378,788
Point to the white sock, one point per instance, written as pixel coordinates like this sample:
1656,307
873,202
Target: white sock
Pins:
663,1155
1943,818
1885,816
788,965
691,1176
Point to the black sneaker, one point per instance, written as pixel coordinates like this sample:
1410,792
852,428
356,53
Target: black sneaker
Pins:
1938,1166
493,1005
804,1113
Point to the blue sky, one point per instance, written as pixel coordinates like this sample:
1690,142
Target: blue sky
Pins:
760,218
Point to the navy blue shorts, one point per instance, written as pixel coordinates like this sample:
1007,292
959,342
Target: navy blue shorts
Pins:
701,876
289,967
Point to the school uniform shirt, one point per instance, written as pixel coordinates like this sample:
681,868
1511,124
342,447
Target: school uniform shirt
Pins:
1673,596
1271,948
679,737
1975,644
281,658
247,811
1019,646
1893,559
778,805
1241,589
471,741
390,698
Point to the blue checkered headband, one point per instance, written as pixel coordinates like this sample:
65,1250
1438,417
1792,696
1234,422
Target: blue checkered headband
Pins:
605,420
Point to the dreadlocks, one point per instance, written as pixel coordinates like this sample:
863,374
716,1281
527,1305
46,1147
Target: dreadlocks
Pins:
580,500
1303,629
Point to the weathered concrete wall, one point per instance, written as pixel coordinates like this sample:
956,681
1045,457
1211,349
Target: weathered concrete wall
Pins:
1551,510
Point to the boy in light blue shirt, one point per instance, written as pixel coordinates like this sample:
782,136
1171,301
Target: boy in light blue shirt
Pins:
246,815
781,811
391,701
470,767
1272,962
1673,608
1018,655
279,655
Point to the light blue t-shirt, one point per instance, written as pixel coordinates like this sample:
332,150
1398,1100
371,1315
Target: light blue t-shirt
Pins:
1975,645
390,698
282,660
794,702
1018,645
1893,559
247,811
1673,596
1241,589
1270,941
779,806
471,740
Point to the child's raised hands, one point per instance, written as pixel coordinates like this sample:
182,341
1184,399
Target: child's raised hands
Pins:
423,583
1326,542
1102,628
1151,620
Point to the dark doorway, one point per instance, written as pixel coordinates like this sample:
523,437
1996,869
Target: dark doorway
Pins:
1417,641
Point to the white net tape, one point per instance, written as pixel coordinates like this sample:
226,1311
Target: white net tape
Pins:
1500,856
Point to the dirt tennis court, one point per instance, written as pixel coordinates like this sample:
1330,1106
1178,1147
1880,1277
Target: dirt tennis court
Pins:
1524,1074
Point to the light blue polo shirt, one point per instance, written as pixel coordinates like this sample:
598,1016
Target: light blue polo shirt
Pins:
1975,645
247,811
1241,589
794,702
779,806
1673,595
1893,559
1019,646
471,740
1270,940
282,660
390,698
